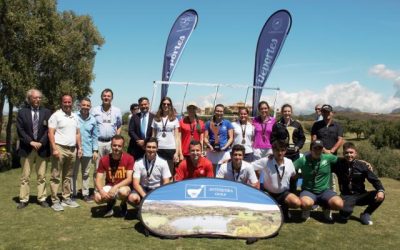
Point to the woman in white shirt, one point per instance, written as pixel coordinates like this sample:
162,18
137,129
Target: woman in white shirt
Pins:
243,133
166,130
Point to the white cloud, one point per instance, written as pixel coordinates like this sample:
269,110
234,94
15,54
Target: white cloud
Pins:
353,95
382,71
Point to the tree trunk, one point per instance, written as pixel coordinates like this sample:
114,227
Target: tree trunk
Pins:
9,126
2,100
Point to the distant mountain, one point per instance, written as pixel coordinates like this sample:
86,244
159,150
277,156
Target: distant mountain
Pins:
343,109
396,111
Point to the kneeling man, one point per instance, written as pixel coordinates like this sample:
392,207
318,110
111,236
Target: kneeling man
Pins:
194,166
237,169
118,168
316,171
279,177
351,174
150,172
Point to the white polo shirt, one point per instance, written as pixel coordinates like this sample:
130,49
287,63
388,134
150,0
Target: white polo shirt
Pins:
246,174
157,172
273,182
65,127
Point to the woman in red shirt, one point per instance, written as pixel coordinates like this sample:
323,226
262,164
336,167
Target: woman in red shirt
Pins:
191,128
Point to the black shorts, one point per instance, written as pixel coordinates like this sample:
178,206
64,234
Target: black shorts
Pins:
280,198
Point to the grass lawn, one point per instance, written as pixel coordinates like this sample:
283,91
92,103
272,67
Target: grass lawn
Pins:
38,228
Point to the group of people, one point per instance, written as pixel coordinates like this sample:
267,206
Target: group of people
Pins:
262,152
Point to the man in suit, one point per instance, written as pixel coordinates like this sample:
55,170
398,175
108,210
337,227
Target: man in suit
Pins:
140,129
34,148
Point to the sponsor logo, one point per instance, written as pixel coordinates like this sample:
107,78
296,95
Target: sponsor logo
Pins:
185,21
277,23
268,60
175,54
210,192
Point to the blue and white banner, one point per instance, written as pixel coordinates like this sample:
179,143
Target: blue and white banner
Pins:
177,39
210,207
270,43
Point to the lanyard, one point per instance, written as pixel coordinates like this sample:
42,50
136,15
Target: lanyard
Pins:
192,128
264,129
236,177
280,176
215,130
151,167
164,125
243,132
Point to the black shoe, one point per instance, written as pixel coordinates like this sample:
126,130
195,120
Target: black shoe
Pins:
109,209
123,209
22,205
43,204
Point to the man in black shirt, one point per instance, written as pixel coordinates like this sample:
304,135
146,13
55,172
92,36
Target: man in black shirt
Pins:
328,131
351,174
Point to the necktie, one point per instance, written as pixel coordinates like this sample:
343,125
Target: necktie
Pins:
143,125
35,123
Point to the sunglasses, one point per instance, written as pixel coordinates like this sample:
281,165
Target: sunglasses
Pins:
166,104
318,109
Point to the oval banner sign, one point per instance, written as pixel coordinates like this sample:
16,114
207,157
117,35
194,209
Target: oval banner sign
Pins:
210,207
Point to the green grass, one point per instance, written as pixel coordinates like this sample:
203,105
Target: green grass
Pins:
38,228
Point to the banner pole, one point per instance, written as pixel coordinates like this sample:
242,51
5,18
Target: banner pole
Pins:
275,101
184,97
216,94
154,94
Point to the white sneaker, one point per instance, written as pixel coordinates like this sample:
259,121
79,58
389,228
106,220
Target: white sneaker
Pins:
69,203
305,215
328,215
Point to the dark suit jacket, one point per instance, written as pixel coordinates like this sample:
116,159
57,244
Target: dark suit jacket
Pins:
135,134
25,131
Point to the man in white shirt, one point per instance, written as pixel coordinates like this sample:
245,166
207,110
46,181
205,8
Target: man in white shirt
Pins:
150,172
279,177
237,169
65,142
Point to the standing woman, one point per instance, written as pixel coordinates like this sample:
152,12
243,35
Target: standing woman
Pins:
289,130
166,130
218,137
244,133
191,128
262,131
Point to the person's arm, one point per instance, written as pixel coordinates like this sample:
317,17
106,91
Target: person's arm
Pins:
132,129
207,140
95,136
178,151
138,187
210,172
165,181
179,174
79,142
119,122
253,179
52,140
259,164
27,139
221,171
301,138
337,145
99,186
374,180
314,132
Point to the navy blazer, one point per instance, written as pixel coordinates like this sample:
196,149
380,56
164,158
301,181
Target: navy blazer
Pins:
25,131
135,134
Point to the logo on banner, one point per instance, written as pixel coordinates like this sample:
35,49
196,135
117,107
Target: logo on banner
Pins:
184,22
277,23
210,192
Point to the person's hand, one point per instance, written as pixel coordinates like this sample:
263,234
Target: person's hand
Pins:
380,196
36,145
80,153
326,151
95,155
104,195
176,157
113,191
140,143
56,154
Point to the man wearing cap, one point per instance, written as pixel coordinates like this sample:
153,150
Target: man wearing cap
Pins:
109,122
237,169
195,166
140,129
150,172
328,131
316,187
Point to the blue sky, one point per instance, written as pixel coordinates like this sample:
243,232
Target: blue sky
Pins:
339,52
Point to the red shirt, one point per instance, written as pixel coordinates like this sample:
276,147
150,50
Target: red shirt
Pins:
124,164
185,127
186,170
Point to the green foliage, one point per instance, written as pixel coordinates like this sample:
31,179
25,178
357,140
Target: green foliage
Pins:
125,118
386,161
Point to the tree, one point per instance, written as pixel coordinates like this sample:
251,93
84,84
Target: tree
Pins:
45,49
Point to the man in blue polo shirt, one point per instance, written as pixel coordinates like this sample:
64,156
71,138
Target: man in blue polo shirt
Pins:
109,122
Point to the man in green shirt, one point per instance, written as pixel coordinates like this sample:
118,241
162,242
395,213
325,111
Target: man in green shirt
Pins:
316,171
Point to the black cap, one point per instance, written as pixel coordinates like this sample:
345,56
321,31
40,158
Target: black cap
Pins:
317,143
327,107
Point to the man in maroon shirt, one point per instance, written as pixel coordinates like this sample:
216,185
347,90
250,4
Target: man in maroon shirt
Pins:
117,168
194,166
